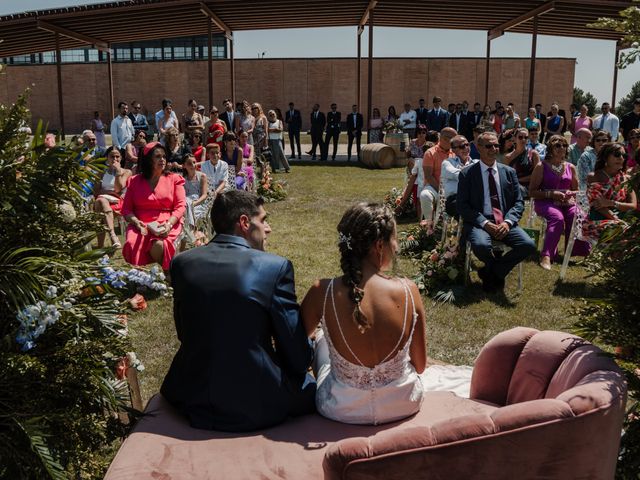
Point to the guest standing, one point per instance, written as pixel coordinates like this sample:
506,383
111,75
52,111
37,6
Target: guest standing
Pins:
581,121
631,120
392,116
245,121
607,121
293,119
215,128
138,120
260,129
553,186
407,120
166,119
191,120
228,116
97,127
153,206
437,118
275,137
375,127
318,122
354,130
121,128
332,133
531,121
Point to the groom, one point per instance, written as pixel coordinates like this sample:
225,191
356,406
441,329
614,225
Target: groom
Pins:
243,359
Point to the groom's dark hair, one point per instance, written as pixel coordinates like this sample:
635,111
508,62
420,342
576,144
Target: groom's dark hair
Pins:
229,206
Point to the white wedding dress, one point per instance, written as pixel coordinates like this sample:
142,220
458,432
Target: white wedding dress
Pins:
390,391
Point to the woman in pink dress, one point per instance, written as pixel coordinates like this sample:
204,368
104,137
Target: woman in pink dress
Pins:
153,206
581,121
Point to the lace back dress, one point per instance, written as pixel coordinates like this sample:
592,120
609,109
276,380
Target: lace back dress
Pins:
357,394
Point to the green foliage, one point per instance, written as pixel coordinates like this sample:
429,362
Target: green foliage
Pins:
629,26
580,97
416,240
625,105
614,319
440,269
60,338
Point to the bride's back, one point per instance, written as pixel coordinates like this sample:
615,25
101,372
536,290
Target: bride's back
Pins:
387,305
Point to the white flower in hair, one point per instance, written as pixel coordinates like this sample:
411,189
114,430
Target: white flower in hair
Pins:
346,239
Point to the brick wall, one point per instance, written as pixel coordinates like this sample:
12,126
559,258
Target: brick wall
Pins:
276,82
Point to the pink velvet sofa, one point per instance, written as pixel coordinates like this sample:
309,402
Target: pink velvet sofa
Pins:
543,405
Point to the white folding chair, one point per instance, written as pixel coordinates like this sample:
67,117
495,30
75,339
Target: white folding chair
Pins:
495,245
441,211
582,213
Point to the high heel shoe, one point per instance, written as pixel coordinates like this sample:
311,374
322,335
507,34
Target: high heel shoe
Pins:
545,262
115,241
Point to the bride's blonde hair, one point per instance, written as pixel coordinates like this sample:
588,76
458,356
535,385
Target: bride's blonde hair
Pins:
361,226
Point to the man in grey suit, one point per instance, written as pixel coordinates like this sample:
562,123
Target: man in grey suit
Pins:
243,357
490,203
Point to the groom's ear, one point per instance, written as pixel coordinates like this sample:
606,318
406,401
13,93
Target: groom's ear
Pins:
244,222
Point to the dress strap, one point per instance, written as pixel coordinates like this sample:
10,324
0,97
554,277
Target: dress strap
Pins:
404,321
335,313
326,295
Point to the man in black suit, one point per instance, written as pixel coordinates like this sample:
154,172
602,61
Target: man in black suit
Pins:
437,117
293,119
459,120
318,122
473,120
244,354
228,116
421,113
543,121
490,203
354,130
333,132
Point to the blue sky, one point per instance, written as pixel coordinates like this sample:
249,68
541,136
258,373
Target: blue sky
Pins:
594,58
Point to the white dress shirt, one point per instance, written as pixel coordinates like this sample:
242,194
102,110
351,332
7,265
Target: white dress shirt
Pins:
611,124
215,173
451,168
488,209
121,131
411,116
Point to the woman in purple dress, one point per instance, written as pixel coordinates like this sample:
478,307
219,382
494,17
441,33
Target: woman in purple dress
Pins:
553,185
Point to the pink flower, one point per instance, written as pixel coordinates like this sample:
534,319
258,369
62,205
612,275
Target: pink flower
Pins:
411,238
447,255
429,273
434,257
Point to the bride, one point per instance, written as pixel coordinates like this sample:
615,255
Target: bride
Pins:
371,346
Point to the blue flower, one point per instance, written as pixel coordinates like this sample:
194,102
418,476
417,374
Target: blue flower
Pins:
52,292
104,260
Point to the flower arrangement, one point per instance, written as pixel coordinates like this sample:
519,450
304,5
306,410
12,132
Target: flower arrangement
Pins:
440,268
416,240
268,188
392,126
393,200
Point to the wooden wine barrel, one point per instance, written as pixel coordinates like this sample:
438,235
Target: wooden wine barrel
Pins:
378,155
399,142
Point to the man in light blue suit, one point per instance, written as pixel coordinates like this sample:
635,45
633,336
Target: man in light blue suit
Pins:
244,354
490,203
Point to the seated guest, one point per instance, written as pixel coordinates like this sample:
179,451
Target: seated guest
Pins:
134,149
451,168
215,128
153,207
372,346
197,149
553,186
633,149
490,203
216,170
587,161
108,194
231,154
534,143
522,160
243,357
576,149
196,191
507,144
432,164
608,193
475,153
176,150
415,180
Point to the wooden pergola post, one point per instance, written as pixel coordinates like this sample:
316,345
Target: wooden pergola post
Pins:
615,75
59,76
232,72
532,68
486,70
210,64
359,44
110,80
370,72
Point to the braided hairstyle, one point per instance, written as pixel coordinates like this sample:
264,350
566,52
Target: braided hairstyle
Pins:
361,226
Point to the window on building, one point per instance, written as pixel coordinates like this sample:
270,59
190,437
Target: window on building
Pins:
93,55
73,56
49,57
122,54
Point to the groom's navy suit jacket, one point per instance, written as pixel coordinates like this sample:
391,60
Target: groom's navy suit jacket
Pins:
244,353
470,197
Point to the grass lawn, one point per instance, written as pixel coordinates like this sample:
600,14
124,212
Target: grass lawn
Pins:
304,230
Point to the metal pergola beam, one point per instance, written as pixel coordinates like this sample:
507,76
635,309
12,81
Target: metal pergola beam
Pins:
499,30
365,16
81,37
204,8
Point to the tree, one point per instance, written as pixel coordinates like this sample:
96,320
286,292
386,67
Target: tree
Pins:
581,97
612,319
629,26
626,104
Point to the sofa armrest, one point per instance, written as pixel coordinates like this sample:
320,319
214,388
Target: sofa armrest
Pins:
495,364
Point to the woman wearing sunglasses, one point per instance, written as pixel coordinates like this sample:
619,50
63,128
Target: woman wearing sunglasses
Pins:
587,161
608,193
633,149
523,160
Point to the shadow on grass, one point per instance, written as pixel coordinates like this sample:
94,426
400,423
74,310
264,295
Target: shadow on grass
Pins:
576,290
463,296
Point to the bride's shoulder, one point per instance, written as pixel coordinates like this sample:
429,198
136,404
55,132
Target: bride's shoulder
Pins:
318,287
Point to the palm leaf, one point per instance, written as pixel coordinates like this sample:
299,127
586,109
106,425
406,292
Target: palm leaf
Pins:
33,429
